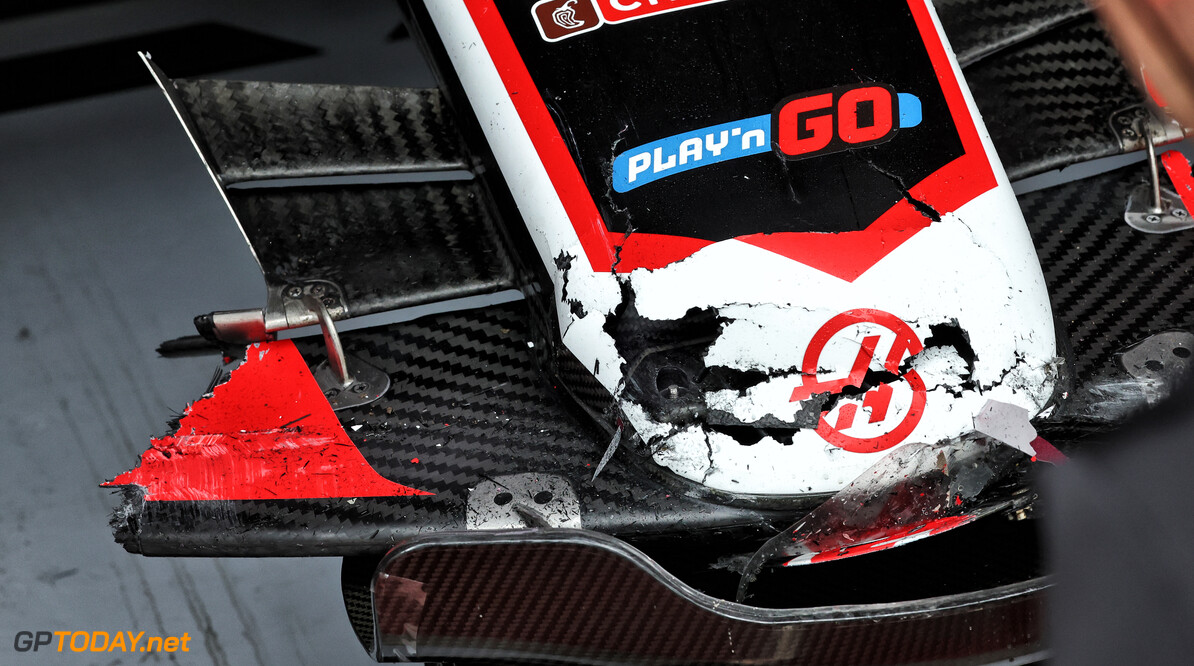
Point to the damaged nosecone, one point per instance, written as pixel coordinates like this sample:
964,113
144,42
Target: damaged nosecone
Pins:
753,374
793,277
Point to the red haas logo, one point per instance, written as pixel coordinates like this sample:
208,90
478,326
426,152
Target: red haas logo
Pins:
834,120
893,425
559,19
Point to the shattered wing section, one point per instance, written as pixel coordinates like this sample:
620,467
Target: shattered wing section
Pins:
257,130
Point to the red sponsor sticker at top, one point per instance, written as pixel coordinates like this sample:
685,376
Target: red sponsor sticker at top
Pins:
625,10
561,19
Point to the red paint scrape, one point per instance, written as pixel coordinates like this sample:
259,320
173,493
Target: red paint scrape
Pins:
1046,452
1179,170
885,539
266,433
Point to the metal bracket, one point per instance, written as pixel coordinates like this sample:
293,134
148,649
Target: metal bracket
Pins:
1152,208
346,381
286,306
516,501
1164,357
1126,124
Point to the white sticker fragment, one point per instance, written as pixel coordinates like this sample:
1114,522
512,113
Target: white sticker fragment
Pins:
1009,424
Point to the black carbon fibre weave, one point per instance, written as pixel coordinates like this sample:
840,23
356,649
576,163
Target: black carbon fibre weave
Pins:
1048,102
255,130
1110,285
356,578
467,403
980,28
542,602
471,402
386,247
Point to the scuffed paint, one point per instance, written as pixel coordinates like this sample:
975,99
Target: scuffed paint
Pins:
1012,426
266,433
886,540
979,308
909,494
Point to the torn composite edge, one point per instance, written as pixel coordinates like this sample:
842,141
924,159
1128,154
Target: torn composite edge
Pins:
268,433
845,255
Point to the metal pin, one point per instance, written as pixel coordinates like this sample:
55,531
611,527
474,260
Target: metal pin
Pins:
1153,171
332,339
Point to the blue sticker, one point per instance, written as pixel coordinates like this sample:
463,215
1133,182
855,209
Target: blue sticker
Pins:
910,113
684,152
720,143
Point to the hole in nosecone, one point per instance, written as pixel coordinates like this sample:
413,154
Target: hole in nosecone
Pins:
543,497
503,498
671,382
1155,366
1181,352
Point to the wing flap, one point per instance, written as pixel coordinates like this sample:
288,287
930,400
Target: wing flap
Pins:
980,28
1050,101
386,247
257,130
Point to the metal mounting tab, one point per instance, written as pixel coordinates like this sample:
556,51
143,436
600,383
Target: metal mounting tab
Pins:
1127,126
287,306
346,381
1152,208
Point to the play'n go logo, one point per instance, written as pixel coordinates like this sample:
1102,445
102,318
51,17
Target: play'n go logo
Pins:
800,127
837,119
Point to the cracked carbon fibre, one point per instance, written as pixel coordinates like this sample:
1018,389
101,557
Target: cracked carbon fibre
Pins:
1110,285
1048,102
467,402
567,597
980,28
255,130
386,247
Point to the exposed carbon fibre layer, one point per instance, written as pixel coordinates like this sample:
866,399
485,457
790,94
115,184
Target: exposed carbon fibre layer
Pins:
255,130
979,28
574,597
1048,102
1110,285
386,247
467,403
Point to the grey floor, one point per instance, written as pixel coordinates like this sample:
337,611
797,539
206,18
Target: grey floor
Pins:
111,238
